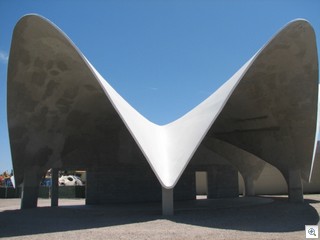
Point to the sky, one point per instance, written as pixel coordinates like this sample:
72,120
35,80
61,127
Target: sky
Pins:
164,57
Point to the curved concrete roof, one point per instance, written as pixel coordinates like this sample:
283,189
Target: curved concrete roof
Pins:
60,108
273,111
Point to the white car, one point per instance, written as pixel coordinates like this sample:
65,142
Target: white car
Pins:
70,181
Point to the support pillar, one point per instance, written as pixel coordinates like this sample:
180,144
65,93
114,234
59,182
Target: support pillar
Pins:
30,189
212,182
54,187
295,187
167,201
248,186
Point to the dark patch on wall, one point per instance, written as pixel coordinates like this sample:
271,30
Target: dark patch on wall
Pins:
90,87
62,66
49,64
72,143
38,78
54,72
116,183
76,119
42,156
51,87
20,101
38,63
17,132
63,105
71,93
23,56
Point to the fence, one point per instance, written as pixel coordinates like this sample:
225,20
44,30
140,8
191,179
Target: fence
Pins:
44,192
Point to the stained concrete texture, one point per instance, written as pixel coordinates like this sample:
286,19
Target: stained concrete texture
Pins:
63,114
271,181
266,114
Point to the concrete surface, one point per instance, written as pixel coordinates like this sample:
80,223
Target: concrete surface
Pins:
201,219
62,113
272,182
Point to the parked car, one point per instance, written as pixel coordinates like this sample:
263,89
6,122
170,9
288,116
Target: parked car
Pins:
70,180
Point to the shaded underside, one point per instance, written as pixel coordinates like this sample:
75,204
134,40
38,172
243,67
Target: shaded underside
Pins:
63,114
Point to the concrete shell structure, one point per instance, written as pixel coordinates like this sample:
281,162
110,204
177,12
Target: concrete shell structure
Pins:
62,113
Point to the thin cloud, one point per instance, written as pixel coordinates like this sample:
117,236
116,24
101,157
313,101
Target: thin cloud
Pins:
153,88
3,57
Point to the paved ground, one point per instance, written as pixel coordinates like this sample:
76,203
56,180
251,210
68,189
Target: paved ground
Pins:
242,218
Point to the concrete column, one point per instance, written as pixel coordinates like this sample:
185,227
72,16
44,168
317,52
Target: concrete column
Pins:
295,187
54,187
167,202
212,180
30,189
248,186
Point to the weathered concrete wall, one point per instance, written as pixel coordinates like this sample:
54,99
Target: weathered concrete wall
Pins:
137,183
131,179
186,187
122,183
63,114
222,182
271,181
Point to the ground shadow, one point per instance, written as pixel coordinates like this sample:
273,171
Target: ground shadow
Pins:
68,218
277,215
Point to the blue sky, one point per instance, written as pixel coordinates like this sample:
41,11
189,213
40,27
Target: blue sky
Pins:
164,57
